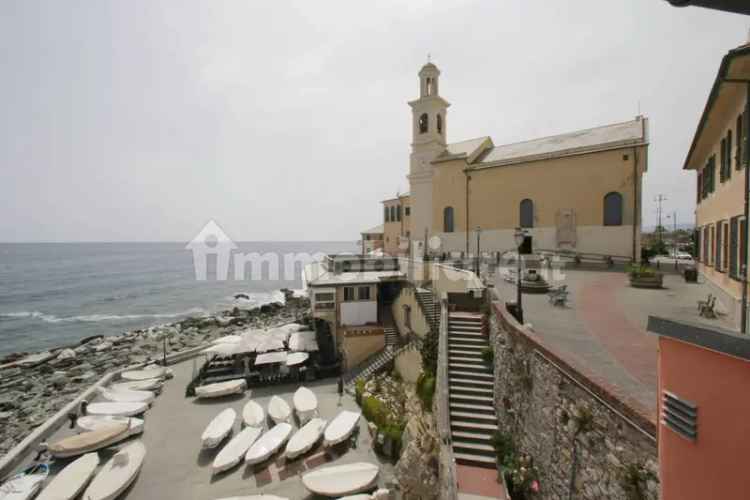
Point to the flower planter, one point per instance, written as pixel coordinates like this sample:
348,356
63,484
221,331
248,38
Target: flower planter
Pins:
655,280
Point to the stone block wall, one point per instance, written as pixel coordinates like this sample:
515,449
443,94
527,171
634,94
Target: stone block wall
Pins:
585,443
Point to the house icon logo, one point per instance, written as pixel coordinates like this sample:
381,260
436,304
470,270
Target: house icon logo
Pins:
211,240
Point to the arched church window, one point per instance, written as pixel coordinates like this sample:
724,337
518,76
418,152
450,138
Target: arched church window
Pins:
613,209
448,219
439,124
526,213
423,123
429,86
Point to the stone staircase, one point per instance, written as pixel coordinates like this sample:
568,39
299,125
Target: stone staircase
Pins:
392,337
373,364
430,307
470,382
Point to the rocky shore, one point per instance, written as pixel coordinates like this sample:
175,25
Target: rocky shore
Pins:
34,386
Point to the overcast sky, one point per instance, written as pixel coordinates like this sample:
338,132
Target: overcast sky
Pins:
142,120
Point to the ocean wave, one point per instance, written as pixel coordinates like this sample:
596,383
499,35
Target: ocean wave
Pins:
258,298
96,318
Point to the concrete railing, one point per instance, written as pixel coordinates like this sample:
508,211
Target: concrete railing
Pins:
447,478
16,456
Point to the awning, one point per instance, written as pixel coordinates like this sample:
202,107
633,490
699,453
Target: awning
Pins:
303,341
271,357
296,358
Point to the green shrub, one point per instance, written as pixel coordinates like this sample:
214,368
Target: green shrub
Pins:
505,449
488,355
359,389
394,432
429,352
636,271
374,410
426,390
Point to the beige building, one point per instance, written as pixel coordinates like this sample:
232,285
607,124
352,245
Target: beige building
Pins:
396,224
579,191
719,155
372,240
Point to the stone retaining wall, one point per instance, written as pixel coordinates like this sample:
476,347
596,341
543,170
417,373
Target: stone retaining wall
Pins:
585,441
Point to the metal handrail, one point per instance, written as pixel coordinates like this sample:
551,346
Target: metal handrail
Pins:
447,461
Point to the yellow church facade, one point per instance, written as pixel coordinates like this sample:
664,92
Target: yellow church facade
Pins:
580,191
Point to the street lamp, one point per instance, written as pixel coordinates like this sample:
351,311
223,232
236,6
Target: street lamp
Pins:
520,236
476,265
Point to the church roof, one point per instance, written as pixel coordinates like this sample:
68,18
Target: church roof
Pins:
465,147
374,230
582,141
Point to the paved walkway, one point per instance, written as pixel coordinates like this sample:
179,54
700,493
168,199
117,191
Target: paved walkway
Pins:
477,483
603,329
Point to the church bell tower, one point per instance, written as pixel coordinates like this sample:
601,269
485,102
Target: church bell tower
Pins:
429,125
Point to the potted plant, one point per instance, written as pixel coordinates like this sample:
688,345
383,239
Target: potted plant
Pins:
645,277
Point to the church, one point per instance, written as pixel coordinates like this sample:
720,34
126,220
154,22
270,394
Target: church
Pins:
579,191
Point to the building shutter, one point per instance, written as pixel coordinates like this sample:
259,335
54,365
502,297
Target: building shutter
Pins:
697,250
733,247
729,155
718,246
699,189
723,161
706,239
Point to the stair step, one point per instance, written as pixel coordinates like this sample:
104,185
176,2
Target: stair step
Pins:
474,426
485,408
489,400
471,436
462,415
475,447
455,382
465,352
474,377
456,333
472,459
472,367
481,341
476,360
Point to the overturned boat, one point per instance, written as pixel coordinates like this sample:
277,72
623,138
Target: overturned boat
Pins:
305,404
127,395
116,409
221,389
89,441
94,422
341,480
305,438
218,428
253,414
279,410
117,474
341,427
70,482
268,444
232,453
145,374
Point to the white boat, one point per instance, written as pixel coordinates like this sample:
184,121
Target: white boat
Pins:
268,443
341,480
232,453
253,414
145,374
24,485
94,422
220,389
89,441
218,428
70,482
305,404
116,409
127,396
359,496
150,384
305,438
341,427
278,410
255,497
117,474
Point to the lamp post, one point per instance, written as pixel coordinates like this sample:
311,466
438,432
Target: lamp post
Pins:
520,236
476,265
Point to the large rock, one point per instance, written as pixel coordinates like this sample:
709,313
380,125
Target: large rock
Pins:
417,469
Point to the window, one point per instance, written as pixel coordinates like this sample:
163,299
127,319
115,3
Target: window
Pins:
348,293
740,142
613,209
429,86
719,251
725,245
699,188
393,213
448,220
526,215
423,123
698,236
743,247
728,154
439,124
407,211
709,176
363,293
398,213
723,161
324,297
712,246
733,247
387,219
706,238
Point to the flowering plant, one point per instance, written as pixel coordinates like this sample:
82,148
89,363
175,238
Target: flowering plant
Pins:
523,476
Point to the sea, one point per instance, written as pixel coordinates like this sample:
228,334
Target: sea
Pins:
54,294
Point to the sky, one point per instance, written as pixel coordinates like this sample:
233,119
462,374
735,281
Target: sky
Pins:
288,120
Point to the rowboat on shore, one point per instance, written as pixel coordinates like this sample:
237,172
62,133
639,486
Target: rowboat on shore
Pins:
268,443
221,389
69,482
151,384
126,395
94,422
218,428
145,374
232,453
341,480
341,427
253,414
89,441
116,409
279,410
305,404
24,485
305,438
118,473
